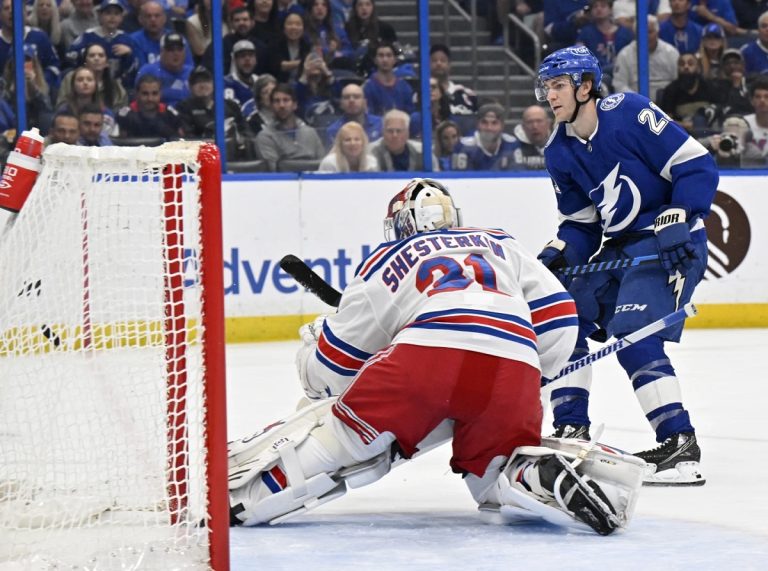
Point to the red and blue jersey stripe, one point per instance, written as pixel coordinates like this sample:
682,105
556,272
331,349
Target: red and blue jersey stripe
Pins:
339,356
501,325
553,312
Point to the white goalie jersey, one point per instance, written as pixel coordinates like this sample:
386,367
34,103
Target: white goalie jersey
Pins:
465,288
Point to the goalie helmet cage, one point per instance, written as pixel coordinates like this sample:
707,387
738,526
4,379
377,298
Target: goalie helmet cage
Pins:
112,398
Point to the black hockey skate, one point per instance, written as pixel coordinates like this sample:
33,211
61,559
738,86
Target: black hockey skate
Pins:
579,431
675,462
587,501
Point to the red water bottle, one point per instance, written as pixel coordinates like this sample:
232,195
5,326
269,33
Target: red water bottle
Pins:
21,170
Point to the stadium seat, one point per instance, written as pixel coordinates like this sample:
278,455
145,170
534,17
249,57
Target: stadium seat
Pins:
259,165
138,141
297,165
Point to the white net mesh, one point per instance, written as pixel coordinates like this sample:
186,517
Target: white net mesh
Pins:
102,459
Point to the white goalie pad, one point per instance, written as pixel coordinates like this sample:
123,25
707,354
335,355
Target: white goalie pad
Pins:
618,474
251,455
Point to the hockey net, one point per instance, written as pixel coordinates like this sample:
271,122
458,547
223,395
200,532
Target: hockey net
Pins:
112,422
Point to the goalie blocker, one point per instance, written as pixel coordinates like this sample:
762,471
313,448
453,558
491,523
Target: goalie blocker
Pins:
306,460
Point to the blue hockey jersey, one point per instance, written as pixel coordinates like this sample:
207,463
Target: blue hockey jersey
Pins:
635,163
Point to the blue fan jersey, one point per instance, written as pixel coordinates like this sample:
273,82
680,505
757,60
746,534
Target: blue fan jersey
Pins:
637,162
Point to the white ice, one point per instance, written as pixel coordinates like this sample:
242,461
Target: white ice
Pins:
420,516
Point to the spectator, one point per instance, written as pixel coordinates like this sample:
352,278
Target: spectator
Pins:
314,89
92,130
45,16
355,108
146,41
439,105
662,63
680,30
711,50
286,7
38,97
198,27
624,11
287,137
366,31
758,121
290,51
171,69
445,142
718,12
756,52
32,37
266,24
324,37
82,91
81,19
690,99
532,135
197,119
734,146
111,90
603,36
147,115
349,152
563,20
239,85
65,128
262,92
748,12
462,100
732,85
394,152
383,89
490,148
116,43
242,27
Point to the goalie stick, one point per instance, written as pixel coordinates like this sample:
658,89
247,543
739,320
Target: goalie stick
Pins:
310,280
605,266
688,310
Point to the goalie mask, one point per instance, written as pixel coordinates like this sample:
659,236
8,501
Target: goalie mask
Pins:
422,206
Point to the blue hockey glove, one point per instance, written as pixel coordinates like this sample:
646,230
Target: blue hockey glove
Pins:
553,256
676,250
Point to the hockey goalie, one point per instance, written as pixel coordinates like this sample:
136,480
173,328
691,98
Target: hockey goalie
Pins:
444,333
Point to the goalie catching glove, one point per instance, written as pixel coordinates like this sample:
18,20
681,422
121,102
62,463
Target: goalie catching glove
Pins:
310,333
676,250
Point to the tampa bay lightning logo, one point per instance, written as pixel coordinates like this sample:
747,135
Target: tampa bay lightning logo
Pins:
620,201
611,102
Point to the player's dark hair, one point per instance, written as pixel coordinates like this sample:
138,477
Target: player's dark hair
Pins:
587,76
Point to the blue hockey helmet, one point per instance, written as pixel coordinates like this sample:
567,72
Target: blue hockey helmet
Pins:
573,62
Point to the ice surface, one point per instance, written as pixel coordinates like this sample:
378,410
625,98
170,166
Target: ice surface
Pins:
422,517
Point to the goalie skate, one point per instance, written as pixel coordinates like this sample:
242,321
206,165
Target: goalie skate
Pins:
673,463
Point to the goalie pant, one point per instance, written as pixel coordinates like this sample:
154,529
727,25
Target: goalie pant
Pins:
310,458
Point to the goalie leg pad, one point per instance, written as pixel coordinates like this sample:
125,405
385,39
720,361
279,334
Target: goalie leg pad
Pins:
291,477
587,484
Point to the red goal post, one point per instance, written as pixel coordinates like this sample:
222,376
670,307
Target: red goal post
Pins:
112,376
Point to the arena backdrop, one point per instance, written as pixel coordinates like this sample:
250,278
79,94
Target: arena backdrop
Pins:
334,223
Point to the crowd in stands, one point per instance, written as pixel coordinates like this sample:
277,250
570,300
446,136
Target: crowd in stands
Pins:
324,85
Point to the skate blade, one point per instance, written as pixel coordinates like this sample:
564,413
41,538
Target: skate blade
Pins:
683,474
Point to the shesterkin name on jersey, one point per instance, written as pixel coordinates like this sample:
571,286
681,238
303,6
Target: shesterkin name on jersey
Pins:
400,257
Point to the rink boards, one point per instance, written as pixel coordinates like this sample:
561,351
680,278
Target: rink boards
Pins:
335,222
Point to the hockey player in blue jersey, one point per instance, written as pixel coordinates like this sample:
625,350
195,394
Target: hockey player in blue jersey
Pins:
629,182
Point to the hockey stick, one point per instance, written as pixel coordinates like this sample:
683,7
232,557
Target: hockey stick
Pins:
307,278
612,265
35,288
688,310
